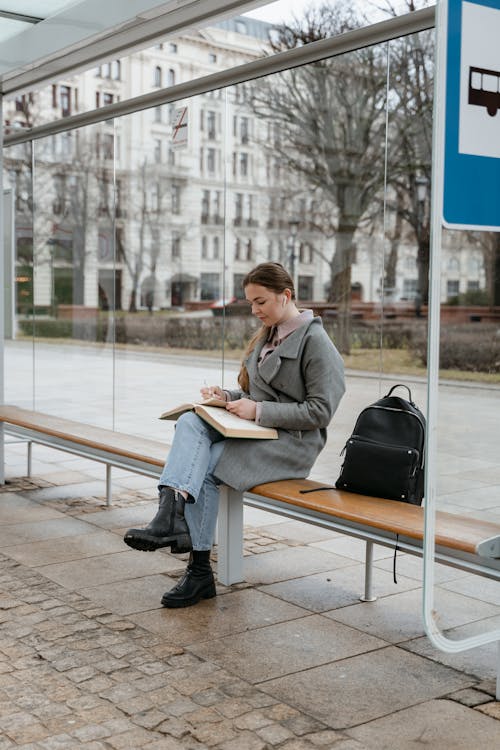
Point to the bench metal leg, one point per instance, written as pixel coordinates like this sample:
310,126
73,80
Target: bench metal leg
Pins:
29,458
230,537
497,694
368,574
109,491
2,453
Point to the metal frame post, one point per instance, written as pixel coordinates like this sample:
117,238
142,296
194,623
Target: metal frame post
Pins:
230,536
367,597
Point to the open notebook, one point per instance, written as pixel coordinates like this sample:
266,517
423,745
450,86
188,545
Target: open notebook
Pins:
213,411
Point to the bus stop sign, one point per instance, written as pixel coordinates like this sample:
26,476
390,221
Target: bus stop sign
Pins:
471,196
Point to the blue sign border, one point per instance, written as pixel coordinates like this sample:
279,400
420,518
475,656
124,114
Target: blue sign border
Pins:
471,196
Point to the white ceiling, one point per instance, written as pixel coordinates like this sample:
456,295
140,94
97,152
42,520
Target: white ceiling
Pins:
43,39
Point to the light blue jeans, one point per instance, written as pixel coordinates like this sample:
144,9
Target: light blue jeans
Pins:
194,454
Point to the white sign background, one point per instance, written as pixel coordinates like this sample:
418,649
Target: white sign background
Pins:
479,133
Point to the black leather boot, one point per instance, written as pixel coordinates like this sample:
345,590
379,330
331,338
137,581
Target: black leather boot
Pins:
167,529
196,583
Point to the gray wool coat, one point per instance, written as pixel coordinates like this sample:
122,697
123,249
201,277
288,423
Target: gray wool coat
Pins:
300,385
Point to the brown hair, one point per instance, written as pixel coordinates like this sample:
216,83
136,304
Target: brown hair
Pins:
275,277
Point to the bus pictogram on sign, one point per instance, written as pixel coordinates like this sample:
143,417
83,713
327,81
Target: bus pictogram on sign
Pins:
484,89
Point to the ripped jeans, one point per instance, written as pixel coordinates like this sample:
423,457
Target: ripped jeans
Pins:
194,454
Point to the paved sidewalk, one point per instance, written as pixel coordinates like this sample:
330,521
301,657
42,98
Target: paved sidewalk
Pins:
289,659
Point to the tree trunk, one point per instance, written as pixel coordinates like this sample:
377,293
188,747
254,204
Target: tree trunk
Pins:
423,269
340,290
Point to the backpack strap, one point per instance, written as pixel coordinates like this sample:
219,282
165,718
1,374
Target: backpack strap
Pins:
401,385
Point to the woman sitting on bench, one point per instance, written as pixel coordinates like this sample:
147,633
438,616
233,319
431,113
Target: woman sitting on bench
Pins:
291,378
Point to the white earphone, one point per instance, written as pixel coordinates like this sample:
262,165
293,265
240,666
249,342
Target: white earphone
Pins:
283,302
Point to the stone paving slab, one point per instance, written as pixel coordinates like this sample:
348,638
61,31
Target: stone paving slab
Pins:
435,725
356,690
88,658
338,588
398,618
285,648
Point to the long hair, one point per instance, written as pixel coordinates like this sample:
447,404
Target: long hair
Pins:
276,278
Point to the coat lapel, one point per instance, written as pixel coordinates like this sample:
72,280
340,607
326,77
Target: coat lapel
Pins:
289,349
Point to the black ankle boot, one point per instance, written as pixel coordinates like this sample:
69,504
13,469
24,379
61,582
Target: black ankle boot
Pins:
196,583
167,529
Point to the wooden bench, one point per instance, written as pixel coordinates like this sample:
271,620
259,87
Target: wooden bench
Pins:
112,448
463,542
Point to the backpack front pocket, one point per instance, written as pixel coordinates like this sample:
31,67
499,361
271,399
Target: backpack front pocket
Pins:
378,469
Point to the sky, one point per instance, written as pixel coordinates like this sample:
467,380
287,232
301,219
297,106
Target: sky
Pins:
285,10
281,10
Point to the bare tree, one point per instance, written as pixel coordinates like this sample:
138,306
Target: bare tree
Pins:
410,104
330,117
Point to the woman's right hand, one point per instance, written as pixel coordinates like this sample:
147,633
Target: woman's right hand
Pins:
213,391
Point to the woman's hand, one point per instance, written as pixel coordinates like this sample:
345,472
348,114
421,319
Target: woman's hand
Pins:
244,408
212,391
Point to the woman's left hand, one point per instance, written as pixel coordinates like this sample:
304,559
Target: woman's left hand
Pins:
244,408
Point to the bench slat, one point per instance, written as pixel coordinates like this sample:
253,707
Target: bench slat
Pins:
118,443
456,532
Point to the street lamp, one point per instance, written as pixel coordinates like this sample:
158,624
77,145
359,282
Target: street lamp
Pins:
422,184
293,224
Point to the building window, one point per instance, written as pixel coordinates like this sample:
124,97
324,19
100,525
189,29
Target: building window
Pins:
218,206
244,164
211,160
244,130
157,77
176,199
158,117
210,286
176,245
215,246
237,249
454,265
157,151
211,125
473,286
249,250
116,68
108,142
250,209
106,70
171,77
238,208
410,288
305,255
305,290
205,206
97,99
107,98
204,247
212,57
65,100
238,290
452,288
172,48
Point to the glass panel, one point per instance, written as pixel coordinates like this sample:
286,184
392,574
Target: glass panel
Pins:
178,59
170,257
73,239
18,363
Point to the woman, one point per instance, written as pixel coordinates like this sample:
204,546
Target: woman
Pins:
291,378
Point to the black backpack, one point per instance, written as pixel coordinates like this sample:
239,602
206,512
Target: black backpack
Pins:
384,456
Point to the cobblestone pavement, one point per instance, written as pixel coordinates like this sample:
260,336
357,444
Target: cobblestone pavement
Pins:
77,674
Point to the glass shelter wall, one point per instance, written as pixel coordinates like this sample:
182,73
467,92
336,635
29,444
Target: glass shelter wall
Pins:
133,237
